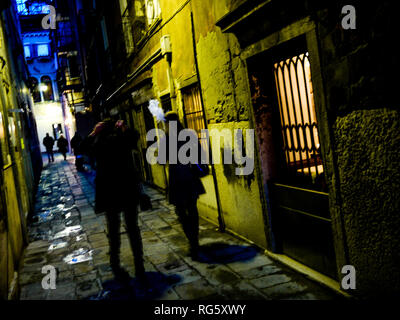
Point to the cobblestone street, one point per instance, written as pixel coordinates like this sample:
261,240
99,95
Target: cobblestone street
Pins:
67,234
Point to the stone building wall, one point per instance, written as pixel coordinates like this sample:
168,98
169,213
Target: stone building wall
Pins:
20,158
358,67
227,104
352,72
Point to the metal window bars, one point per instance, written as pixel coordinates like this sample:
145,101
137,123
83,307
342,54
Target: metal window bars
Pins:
26,7
127,31
301,144
194,113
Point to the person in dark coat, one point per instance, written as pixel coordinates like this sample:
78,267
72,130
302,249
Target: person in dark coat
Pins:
184,189
49,143
118,189
76,142
62,145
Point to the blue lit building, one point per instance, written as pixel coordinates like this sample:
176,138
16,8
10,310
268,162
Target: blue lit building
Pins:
41,58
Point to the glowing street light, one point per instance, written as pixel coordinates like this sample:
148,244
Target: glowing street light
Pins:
43,88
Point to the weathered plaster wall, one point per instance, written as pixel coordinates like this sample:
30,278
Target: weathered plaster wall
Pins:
357,67
367,150
226,99
240,195
14,232
14,177
227,102
223,76
207,203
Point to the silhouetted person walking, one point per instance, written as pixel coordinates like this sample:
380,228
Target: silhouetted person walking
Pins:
76,142
117,190
62,145
184,189
49,143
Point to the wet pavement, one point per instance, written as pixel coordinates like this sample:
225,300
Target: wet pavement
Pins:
66,233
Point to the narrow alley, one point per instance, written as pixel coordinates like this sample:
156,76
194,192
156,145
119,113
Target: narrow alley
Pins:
66,233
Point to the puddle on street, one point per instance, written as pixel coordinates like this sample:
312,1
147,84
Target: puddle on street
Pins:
78,256
43,216
64,199
68,231
58,244
81,238
71,214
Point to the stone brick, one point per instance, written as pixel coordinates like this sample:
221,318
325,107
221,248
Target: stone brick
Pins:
260,271
270,280
241,290
284,290
195,290
258,261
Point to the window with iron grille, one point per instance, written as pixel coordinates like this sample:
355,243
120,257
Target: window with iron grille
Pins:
25,7
153,11
299,126
126,26
166,102
34,83
43,50
193,110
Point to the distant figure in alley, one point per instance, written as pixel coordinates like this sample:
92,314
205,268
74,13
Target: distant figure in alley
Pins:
62,145
48,142
76,143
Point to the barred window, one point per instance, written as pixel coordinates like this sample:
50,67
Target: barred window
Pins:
299,126
126,26
193,110
34,84
27,51
153,11
43,50
166,102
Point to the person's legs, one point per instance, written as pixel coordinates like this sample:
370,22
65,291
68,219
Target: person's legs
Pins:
79,162
193,217
64,155
48,155
181,212
135,238
113,224
189,218
52,155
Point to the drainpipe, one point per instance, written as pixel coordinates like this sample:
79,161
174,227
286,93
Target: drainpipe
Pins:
166,52
221,221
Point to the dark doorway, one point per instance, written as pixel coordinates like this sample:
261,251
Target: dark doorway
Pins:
57,130
291,161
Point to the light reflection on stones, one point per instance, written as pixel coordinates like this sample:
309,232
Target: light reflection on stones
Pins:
58,244
68,231
78,256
